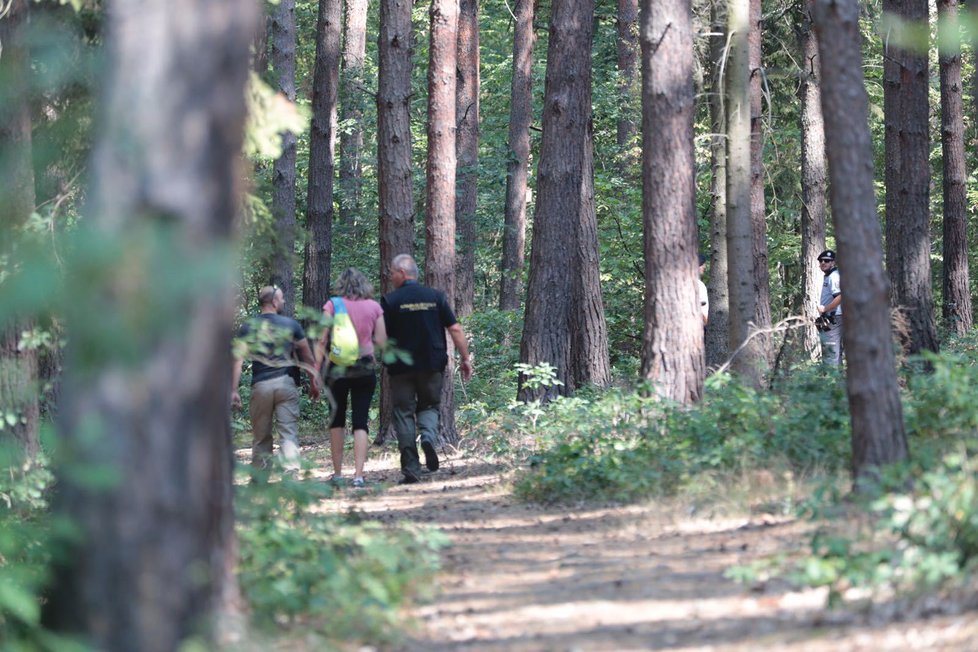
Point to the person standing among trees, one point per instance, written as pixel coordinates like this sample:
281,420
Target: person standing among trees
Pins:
274,384
416,318
830,310
354,384
704,297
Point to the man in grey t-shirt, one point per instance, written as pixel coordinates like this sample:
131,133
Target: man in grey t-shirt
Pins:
830,308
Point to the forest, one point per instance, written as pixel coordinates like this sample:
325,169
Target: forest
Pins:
709,262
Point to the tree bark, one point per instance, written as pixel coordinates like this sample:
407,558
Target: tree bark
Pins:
672,343
322,150
878,436
907,178
957,295
590,360
353,111
145,399
750,361
628,50
761,275
567,107
467,148
18,367
814,179
394,171
284,170
440,214
520,117
718,326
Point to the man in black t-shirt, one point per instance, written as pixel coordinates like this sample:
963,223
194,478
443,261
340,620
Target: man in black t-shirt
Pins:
272,339
417,318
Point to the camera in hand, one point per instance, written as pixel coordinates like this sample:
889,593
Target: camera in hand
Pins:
824,322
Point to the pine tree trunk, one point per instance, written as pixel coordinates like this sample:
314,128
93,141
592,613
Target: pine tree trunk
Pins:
672,344
567,109
145,402
907,179
628,49
520,117
283,171
758,217
18,367
957,296
353,111
876,414
718,325
467,149
440,214
814,180
322,149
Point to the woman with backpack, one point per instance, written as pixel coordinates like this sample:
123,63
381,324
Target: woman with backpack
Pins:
351,366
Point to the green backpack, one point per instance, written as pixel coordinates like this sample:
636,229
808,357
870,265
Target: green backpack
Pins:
344,345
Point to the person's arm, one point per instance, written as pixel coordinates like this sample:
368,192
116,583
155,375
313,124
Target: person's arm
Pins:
831,305
305,356
458,337
235,379
380,332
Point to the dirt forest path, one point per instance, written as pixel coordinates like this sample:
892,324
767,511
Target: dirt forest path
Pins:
650,577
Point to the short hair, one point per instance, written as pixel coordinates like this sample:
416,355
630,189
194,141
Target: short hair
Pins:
267,295
353,283
702,259
406,264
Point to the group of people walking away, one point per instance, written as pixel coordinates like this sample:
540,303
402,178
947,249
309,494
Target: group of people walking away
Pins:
413,318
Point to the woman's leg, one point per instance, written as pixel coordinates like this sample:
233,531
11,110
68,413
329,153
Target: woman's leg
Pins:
361,393
336,441
337,428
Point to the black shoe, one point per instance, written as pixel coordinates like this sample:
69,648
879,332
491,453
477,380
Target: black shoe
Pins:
408,479
430,456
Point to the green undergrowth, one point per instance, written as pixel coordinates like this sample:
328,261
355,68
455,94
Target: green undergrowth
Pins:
337,575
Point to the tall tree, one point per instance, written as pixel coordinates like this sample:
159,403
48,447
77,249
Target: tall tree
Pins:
283,171
394,172
758,217
145,400
353,110
322,150
18,366
878,436
590,360
567,108
672,344
467,149
907,175
957,296
440,177
520,117
751,358
627,50
814,176
716,339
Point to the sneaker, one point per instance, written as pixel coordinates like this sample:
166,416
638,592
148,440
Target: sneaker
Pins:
430,456
358,483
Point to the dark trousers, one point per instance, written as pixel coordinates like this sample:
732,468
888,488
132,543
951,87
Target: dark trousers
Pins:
416,397
360,390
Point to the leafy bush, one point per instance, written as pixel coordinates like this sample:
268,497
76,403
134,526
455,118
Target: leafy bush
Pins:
336,574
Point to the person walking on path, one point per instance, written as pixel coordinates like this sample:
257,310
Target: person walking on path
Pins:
272,339
417,318
353,385
830,310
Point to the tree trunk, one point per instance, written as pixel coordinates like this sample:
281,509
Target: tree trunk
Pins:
628,48
440,214
283,171
18,367
467,148
761,276
322,149
394,171
353,111
567,109
590,361
957,296
520,117
907,178
814,180
145,399
878,436
718,325
672,343
751,360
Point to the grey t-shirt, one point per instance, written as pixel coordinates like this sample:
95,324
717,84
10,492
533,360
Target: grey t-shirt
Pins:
830,290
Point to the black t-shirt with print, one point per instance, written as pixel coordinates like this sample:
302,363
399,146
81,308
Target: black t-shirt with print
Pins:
416,317
276,337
